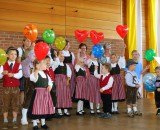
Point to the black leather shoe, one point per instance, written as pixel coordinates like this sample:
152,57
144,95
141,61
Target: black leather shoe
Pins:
79,113
36,128
45,127
67,114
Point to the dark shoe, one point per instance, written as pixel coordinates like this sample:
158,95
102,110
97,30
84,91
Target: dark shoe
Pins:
116,112
79,113
36,128
98,111
101,115
107,115
45,127
67,114
60,114
92,112
56,116
113,112
83,112
137,113
14,125
158,112
5,126
130,114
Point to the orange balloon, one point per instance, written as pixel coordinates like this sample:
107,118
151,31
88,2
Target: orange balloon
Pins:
30,31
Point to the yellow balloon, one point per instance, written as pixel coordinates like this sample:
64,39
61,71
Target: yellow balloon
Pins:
3,57
60,43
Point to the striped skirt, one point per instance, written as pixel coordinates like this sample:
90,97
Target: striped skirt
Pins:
63,92
118,92
43,103
81,88
72,81
93,94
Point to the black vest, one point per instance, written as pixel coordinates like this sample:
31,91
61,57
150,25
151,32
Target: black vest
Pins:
92,68
115,70
68,59
81,73
61,70
41,82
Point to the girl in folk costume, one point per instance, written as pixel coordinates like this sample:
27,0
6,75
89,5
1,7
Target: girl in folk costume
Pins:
80,92
69,59
62,76
118,92
41,102
93,94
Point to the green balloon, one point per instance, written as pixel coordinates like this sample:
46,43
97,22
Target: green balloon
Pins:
149,54
3,57
49,36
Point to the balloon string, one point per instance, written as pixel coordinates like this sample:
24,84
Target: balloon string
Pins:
65,18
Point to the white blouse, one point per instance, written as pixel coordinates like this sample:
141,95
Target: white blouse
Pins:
77,67
67,53
121,63
90,61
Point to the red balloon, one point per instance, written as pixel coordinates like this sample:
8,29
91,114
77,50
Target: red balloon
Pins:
41,50
30,32
122,30
96,37
81,35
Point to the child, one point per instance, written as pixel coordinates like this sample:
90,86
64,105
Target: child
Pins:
93,94
27,66
11,72
106,84
80,92
41,102
157,91
62,76
69,59
118,92
132,83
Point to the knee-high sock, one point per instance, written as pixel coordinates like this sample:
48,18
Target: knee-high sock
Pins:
34,123
98,106
115,106
43,122
79,106
82,102
59,111
24,114
65,110
91,105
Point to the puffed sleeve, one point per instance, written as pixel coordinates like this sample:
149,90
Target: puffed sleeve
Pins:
69,72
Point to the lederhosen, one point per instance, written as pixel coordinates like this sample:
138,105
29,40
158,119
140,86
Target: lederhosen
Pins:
157,93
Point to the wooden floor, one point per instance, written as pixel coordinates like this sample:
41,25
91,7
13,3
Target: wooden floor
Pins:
149,121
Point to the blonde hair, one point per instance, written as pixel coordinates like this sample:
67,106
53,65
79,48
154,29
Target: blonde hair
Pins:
80,59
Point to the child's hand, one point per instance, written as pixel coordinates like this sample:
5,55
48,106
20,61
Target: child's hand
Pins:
5,72
49,88
68,81
147,67
101,90
137,86
55,53
158,89
10,74
96,67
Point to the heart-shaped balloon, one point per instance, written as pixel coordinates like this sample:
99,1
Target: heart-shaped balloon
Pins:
96,37
81,35
49,36
41,50
30,31
122,30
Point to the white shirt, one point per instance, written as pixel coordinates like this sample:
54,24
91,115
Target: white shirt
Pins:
43,75
77,67
67,54
16,75
20,51
110,82
90,61
57,63
121,63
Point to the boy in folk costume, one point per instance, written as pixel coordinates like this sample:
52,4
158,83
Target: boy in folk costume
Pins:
41,103
11,72
93,94
132,88
106,84
62,76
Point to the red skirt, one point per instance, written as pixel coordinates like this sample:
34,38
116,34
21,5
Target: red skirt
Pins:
118,92
72,81
81,88
93,94
63,92
43,103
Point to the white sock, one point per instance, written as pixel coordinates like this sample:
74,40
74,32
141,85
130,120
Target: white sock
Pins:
91,105
65,110
82,102
134,109
79,106
24,114
43,122
129,110
59,111
34,123
98,106
115,106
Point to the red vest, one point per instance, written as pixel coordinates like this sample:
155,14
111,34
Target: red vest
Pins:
50,72
104,83
11,81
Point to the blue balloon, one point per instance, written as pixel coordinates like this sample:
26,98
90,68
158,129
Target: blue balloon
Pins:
149,80
97,50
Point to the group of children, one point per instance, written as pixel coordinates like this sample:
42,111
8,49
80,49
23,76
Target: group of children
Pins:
50,84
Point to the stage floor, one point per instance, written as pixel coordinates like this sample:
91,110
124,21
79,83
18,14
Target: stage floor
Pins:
149,120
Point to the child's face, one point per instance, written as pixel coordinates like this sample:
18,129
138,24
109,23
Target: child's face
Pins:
12,55
48,62
104,70
158,72
132,67
135,56
83,49
27,43
61,57
81,62
113,59
42,65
